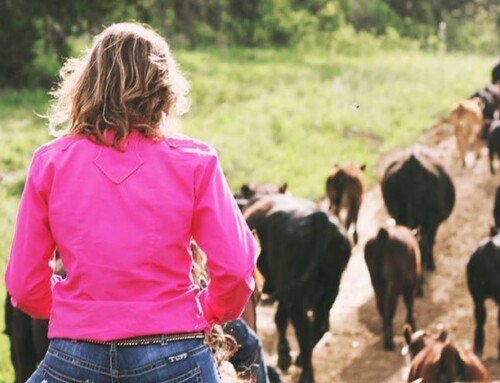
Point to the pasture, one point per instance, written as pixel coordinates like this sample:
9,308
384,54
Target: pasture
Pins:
289,115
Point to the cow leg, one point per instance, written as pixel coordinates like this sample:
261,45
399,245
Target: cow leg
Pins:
390,304
491,156
498,324
420,286
322,317
379,298
321,322
480,316
409,299
281,320
477,142
432,239
303,332
428,236
39,329
461,143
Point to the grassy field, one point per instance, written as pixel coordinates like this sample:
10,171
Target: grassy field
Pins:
273,116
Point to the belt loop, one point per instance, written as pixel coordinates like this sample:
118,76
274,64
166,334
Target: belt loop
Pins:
164,340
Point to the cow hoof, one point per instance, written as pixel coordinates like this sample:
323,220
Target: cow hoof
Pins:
306,379
389,346
284,362
420,292
355,237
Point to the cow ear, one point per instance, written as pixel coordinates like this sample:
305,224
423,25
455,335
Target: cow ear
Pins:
245,191
493,231
363,167
407,332
282,188
416,232
443,335
383,234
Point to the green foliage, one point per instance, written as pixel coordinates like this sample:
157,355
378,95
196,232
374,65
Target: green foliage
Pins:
17,35
374,16
44,30
473,34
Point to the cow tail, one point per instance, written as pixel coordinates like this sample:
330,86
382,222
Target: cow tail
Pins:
321,225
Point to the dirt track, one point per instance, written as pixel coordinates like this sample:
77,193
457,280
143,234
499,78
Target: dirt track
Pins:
352,350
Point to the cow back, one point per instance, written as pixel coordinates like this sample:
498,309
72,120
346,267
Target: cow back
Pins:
416,188
394,256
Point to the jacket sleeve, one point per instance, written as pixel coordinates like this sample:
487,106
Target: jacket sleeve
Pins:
28,274
221,231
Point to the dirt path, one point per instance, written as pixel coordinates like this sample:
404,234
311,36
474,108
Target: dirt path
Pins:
352,350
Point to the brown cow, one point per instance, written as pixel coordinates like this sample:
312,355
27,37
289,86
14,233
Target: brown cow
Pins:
442,361
467,120
393,259
344,188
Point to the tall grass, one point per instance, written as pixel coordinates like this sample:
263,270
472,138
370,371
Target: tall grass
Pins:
274,116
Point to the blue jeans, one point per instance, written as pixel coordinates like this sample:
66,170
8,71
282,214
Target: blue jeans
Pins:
185,361
248,360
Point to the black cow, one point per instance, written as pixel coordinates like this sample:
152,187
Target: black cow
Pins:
27,336
493,142
418,192
250,192
302,260
495,74
28,341
483,271
490,95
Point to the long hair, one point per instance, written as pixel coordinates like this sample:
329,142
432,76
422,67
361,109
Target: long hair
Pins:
127,80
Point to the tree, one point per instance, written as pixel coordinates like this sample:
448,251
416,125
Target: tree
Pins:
17,36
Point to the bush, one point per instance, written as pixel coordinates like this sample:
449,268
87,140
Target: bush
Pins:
374,16
349,42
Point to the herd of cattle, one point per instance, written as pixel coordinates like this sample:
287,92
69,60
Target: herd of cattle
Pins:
305,250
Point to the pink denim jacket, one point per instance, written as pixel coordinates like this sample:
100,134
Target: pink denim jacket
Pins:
122,222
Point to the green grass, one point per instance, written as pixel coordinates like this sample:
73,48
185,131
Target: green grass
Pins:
274,116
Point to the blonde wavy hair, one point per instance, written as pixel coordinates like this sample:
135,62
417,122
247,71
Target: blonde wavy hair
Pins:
127,80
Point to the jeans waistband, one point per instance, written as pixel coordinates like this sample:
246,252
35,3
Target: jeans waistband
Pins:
147,340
